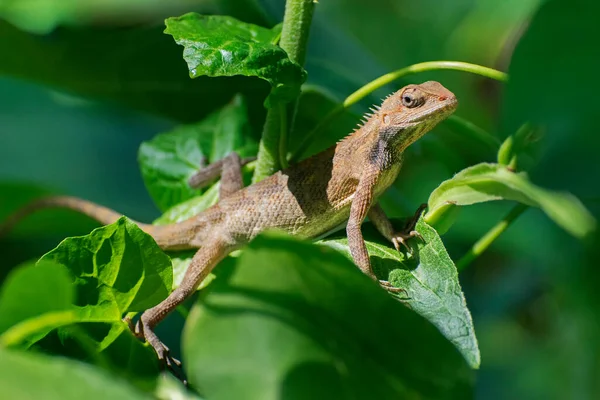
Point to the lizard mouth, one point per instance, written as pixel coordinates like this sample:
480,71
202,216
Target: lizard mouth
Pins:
441,111
426,120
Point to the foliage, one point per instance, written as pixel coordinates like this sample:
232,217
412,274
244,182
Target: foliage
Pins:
285,318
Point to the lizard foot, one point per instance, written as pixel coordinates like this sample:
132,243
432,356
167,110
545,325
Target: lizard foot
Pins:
401,238
144,331
389,287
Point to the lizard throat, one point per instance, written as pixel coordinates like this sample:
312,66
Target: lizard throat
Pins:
402,137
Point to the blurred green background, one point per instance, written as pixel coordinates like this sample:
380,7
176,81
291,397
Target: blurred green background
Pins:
83,83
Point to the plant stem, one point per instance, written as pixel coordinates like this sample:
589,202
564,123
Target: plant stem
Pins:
268,160
390,77
482,244
296,26
294,39
283,138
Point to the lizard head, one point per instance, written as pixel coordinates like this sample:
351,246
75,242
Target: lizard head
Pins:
412,111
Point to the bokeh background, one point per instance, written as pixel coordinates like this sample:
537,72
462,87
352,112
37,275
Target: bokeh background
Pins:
82,84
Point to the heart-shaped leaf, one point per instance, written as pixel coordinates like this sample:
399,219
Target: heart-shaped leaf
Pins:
225,46
37,299
117,269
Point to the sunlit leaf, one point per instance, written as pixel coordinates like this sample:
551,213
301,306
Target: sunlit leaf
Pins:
117,269
430,284
487,182
225,46
169,160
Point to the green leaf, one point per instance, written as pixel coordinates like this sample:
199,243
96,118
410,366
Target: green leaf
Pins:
181,261
519,146
430,283
34,376
168,160
225,46
33,301
487,182
37,299
313,326
189,208
117,269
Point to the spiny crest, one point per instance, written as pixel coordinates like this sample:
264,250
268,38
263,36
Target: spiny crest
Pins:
374,109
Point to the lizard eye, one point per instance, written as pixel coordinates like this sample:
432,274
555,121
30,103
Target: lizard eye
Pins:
410,100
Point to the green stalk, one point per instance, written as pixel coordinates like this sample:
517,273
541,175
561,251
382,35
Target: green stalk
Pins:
422,67
268,160
390,77
272,150
486,240
296,26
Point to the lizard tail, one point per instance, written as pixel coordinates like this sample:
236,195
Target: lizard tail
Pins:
95,211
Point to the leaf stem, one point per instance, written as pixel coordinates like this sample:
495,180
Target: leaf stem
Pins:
272,151
486,240
422,67
390,77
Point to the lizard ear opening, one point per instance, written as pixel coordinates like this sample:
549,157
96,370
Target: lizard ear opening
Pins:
386,119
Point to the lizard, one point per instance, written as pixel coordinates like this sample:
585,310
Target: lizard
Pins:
339,186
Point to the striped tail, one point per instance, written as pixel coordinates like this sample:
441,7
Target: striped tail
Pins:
95,211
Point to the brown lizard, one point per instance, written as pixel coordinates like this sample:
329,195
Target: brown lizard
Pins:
310,199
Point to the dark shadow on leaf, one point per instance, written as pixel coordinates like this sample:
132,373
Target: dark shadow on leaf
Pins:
355,323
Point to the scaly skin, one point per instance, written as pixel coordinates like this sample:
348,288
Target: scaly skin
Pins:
307,200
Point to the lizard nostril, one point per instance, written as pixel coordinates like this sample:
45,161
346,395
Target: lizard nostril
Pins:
442,98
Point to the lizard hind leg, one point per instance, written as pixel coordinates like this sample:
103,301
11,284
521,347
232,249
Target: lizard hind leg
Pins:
231,175
398,238
205,259
230,171
409,230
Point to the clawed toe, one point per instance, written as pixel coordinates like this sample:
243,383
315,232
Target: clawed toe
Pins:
165,358
144,332
388,286
415,234
398,242
400,239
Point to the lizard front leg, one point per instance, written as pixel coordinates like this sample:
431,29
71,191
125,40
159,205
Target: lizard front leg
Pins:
384,226
205,259
363,197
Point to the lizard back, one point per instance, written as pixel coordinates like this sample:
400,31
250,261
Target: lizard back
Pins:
307,200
